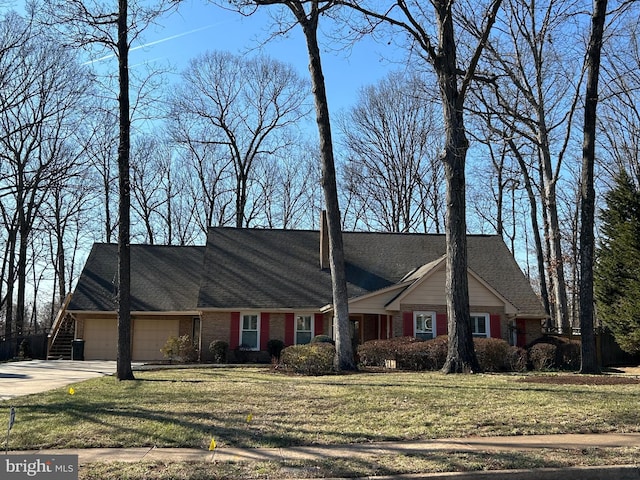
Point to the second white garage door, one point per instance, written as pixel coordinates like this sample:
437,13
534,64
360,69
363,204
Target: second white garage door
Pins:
150,335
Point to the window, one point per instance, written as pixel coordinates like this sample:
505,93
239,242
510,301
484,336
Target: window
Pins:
424,325
480,324
304,329
250,331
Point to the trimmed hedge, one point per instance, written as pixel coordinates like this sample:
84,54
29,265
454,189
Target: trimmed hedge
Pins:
494,355
552,352
310,359
374,353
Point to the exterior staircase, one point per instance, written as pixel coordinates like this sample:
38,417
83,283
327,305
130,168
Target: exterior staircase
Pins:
61,335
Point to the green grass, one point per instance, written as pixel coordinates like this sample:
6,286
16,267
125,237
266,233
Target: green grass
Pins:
186,408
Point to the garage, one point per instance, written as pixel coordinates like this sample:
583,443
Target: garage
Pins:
101,338
150,335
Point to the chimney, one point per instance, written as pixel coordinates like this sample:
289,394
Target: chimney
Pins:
324,241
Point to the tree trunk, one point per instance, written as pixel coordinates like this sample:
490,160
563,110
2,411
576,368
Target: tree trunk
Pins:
123,367
587,193
533,203
461,357
344,349
11,272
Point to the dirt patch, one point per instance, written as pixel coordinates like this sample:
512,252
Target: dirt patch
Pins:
581,379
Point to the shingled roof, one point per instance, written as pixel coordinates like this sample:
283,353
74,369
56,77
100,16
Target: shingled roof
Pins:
280,269
253,268
163,279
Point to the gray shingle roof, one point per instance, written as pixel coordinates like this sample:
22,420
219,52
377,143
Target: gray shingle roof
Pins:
254,268
274,269
163,278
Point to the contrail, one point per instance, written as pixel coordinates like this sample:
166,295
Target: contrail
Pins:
172,37
155,42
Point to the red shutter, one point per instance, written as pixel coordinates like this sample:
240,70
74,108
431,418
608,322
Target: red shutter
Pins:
390,320
264,330
234,336
494,326
289,328
318,324
441,324
407,324
521,332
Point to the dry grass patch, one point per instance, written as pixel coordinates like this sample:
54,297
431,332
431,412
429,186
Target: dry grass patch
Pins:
186,408
429,462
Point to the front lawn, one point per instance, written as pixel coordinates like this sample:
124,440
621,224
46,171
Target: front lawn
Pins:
254,407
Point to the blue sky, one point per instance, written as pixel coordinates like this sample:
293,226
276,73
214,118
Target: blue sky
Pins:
198,27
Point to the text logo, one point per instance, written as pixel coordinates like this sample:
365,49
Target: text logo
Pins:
50,467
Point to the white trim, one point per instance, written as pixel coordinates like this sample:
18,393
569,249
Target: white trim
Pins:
433,322
312,325
258,322
487,324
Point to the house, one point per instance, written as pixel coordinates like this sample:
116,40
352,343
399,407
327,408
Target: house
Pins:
247,286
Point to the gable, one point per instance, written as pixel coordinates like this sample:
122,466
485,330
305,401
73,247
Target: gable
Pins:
430,290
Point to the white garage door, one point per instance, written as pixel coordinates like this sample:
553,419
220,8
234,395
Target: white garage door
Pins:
101,339
150,335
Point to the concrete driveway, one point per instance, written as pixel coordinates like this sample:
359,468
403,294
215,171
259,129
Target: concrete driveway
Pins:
34,376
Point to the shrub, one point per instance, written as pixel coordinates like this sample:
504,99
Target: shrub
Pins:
569,355
374,352
566,353
274,348
322,339
492,354
542,356
423,355
516,359
180,349
311,359
219,349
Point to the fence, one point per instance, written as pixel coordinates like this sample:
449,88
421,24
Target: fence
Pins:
34,346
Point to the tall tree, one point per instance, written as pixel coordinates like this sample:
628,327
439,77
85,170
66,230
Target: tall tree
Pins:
38,113
307,14
587,199
392,140
91,22
535,78
432,36
246,106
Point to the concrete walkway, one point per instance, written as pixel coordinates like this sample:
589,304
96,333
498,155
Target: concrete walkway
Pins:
369,450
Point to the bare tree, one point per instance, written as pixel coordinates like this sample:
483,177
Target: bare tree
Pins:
244,105
392,139
287,186
535,87
209,174
100,145
307,15
97,22
587,204
432,36
47,85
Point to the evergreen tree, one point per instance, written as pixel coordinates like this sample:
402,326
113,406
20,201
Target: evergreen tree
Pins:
617,269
